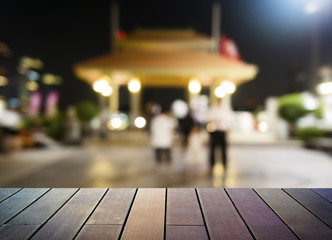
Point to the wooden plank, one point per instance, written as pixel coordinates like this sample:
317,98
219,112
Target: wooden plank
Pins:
186,233
100,232
222,219
146,219
304,224
316,204
16,203
325,192
69,219
183,207
262,221
114,207
7,192
17,232
44,207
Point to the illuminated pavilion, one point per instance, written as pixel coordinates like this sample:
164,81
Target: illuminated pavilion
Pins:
162,58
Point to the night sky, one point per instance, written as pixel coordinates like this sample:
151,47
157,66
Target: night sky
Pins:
271,34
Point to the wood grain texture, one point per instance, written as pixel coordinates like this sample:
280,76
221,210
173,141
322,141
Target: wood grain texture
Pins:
186,233
44,207
7,192
222,219
316,204
114,207
68,220
261,220
17,232
146,219
304,224
324,192
100,232
183,207
16,203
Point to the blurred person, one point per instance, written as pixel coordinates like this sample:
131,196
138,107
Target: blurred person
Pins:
151,109
219,122
72,127
196,155
185,126
10,124
162,136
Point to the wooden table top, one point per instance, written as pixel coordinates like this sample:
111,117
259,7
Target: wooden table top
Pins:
147,213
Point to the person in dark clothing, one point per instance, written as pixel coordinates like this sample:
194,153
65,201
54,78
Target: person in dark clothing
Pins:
219,122
185,126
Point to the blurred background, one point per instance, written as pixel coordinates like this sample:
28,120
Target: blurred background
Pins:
80,85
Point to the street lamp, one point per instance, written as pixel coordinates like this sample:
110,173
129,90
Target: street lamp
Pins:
312,8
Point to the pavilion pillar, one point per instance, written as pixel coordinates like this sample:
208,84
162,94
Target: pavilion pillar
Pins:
213,97
227,101
135,103
114,99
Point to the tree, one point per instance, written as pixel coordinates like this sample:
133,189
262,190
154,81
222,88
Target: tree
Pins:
86,110
291,108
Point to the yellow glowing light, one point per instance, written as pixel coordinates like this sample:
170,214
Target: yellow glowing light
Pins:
48,78
3,81
140,122
32,86
106,91
194,86
220,92
114,123
229,87
325,88
134,85
102,87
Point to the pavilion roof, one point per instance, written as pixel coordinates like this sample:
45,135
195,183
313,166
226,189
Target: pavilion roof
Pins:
159,68
165,58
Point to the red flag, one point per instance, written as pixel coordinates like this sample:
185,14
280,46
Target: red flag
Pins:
228,48
121,35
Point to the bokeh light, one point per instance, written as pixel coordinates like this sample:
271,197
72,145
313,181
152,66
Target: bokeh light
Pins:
220,92
180,108
3,81
229,87
33,75
102,86
263,126
325,88
32,86
134,85
211,127
194,86
140,122
106,91
118,122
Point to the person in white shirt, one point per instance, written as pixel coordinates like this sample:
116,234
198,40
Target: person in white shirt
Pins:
162,136
219,122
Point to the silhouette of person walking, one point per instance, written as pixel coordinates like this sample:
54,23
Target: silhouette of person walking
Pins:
219,122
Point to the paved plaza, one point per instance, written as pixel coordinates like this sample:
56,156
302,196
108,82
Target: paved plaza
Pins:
122,162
